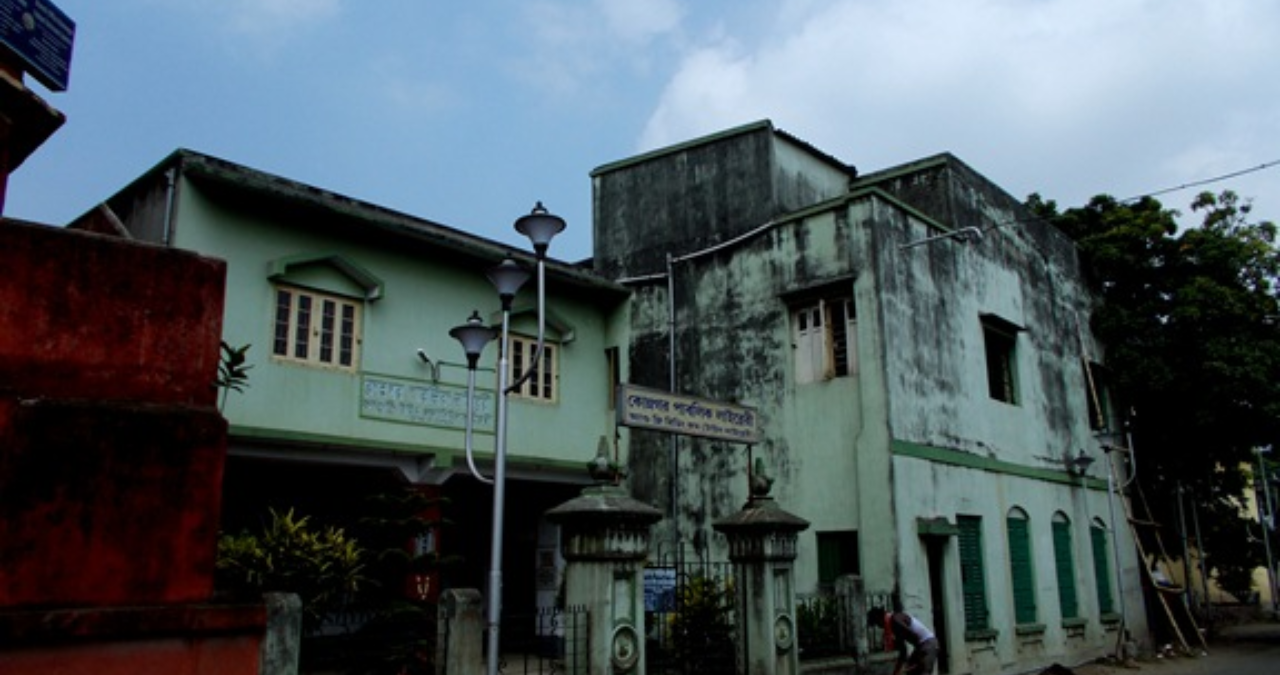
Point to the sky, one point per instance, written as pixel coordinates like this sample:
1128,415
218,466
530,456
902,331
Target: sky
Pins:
467,113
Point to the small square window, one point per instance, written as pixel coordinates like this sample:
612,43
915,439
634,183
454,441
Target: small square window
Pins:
837,556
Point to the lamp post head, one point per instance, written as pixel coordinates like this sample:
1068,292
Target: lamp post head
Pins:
473,335
507,276
540,227
1080,463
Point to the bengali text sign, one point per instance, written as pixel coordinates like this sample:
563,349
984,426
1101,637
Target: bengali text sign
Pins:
664,411
424,403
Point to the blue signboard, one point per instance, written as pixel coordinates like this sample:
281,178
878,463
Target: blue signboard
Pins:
40,35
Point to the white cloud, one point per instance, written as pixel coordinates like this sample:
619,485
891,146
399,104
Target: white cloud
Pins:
639,22
1068,97
266,16
575,45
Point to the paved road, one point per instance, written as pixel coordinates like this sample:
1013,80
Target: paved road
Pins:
1250,649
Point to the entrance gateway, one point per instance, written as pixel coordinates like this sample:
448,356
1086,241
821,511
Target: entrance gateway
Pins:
677,644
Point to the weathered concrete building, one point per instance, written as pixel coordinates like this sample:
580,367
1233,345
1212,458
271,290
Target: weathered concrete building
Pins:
913,342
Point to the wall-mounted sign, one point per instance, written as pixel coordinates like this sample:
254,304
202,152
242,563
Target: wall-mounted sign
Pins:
428,404
664,411
40,35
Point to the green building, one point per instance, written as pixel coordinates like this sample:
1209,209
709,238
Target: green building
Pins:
356,388
913,343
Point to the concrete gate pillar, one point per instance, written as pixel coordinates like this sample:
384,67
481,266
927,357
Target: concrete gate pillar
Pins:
605,537
762,547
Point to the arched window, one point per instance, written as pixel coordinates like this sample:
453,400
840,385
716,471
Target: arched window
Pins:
1064,562
1021,569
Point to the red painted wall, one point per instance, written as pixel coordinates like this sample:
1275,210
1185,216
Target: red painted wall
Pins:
173,656
98,317
111,451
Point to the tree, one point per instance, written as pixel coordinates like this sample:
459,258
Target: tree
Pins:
1190,323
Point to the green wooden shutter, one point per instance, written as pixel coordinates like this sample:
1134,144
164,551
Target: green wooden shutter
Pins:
1064,563
973,583
1101,570
1020,570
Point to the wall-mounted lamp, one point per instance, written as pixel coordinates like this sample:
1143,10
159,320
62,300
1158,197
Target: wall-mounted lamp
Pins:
432,366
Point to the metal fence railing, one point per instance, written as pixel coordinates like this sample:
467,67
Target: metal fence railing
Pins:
875,634
690,619
549,640
825,625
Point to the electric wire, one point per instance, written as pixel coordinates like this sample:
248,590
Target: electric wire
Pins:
1155,193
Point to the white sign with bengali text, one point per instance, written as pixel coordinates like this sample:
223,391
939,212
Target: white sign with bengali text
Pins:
663,411
425,403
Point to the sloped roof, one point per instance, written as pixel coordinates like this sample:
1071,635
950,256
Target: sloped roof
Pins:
264,190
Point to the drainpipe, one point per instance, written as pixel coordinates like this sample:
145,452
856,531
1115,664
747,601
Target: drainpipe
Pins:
673,458
171,177
1188,597
1267,524
1204,570
1112,489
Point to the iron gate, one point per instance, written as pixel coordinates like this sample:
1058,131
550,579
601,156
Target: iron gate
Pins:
690,619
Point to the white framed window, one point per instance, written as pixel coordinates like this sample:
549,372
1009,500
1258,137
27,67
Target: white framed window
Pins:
825,339
543,384
317,329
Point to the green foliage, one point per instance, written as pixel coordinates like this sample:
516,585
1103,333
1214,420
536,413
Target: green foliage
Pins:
701,630
1191,327
399,636
233,371
818,627
323,567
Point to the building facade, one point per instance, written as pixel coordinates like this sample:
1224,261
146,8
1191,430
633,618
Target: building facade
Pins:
914,344
356,388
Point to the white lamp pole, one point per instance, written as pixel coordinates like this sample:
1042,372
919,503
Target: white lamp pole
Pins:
507,278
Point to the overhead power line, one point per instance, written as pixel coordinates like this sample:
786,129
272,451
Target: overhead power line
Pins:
1206,181
967,234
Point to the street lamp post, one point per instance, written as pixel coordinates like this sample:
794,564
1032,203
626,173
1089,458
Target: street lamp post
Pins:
1267,523
507,277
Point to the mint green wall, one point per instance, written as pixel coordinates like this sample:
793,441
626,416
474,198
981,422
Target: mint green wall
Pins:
915,434
958,451
426,293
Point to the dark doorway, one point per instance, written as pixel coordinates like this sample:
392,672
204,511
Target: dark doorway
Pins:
935,547
469,511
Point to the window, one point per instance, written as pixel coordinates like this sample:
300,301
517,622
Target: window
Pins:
1065,566
973,582
316,328
1001,339
1021,569
1102,415
541,385
837,556
826,339
1101,568
614,365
